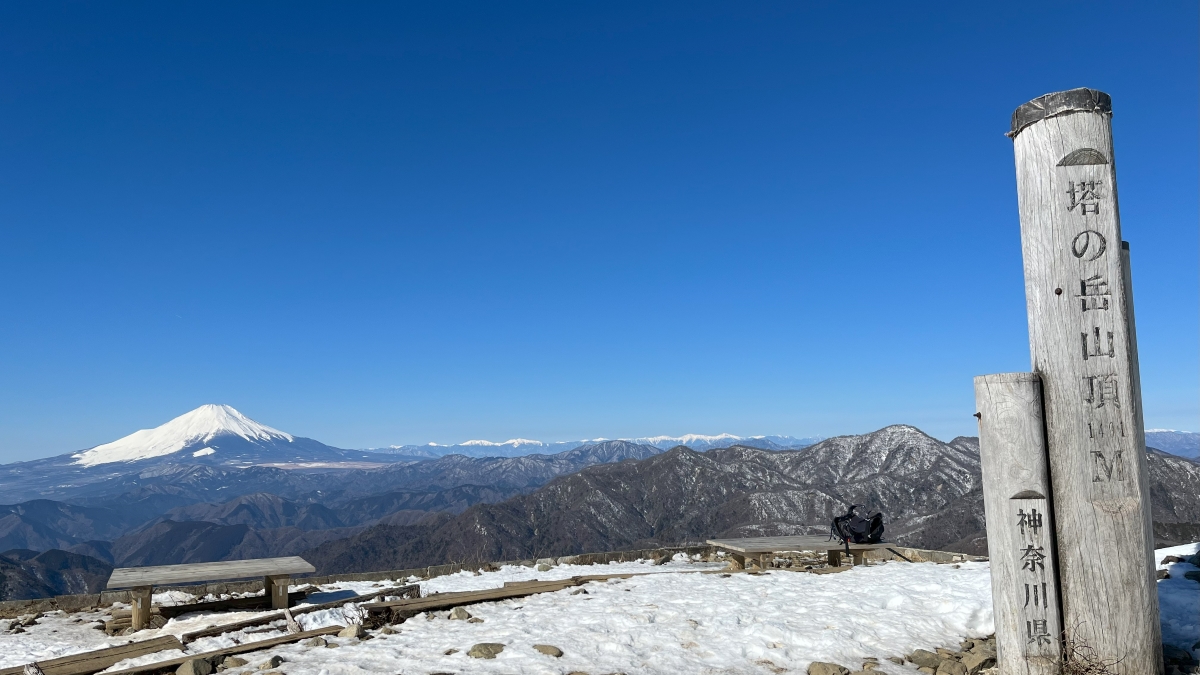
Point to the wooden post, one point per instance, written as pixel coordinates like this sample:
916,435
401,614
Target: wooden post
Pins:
140,597
276,587
1082,342
1020,527
833,557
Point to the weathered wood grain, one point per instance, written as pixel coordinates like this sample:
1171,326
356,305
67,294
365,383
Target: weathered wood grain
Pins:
140,598
1020,527
243,648
95,661
275,587
127,577
1083,348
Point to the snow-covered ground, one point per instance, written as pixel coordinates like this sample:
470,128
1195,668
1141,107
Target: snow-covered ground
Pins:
672,620
1179,599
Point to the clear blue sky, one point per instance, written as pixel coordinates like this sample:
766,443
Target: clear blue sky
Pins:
391,223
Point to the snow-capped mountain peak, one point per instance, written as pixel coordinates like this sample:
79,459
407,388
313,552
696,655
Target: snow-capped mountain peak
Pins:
689,439
512,441
188,430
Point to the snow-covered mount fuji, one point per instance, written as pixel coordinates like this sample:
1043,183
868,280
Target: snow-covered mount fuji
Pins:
199,433
216,436
219,434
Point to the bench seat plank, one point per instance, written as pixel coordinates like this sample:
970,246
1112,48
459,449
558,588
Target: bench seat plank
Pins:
130,577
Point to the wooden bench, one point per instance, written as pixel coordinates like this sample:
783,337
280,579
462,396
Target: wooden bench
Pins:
763,549
276,573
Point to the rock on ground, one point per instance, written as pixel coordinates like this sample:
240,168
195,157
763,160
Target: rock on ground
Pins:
195,667
822,668
976,662
922,658
485,650
951,667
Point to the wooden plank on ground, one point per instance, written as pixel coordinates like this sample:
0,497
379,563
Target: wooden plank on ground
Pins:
128,577
536,583
449,600
86,663
228,651
605,577
780,544
296,611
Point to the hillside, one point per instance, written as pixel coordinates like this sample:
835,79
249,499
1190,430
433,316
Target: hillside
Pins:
26,574
683,495
928,490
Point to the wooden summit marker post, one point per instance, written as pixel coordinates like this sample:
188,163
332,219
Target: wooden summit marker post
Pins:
1081,337
1020,526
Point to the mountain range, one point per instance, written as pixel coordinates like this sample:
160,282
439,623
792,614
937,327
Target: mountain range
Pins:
215,485
1182,443
929,491
517,447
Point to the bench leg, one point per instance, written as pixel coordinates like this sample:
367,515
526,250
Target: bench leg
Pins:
737,561
859,557
834,558
140,597
276,587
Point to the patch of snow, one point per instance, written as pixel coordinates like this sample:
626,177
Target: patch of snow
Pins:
1179,599
203,452
170,597
198,426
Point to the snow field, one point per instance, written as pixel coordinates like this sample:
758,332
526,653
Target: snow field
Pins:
670,619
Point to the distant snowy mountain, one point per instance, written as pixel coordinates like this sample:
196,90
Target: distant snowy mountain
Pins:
1182,443
211,435
518,447
702,443
194,431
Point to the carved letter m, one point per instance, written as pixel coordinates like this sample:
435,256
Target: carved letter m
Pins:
1101,466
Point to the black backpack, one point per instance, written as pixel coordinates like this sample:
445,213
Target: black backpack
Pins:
854,529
